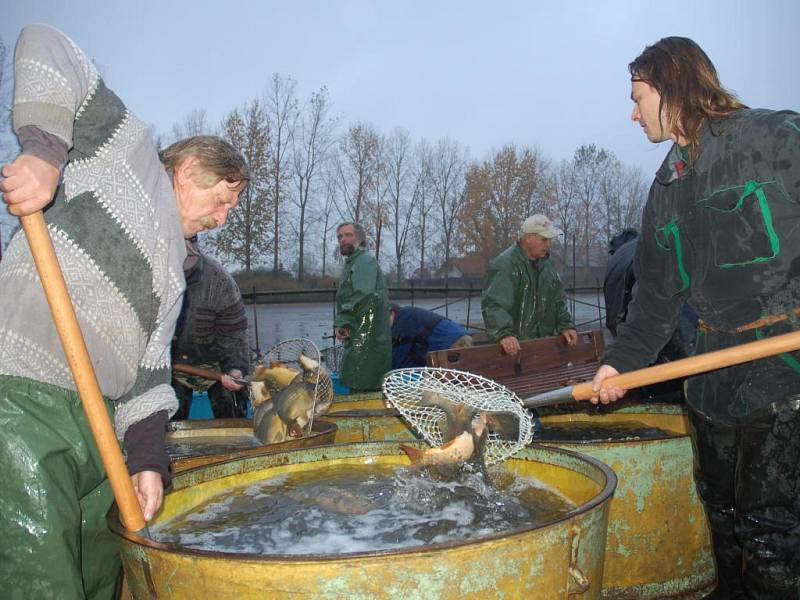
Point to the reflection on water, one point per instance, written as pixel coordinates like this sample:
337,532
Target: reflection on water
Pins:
587,431
353,508
314,320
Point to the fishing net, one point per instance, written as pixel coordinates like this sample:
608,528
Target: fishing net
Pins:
288,353
332,356
404,389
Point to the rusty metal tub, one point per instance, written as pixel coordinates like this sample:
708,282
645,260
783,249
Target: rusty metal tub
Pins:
196,443
659,544
562,558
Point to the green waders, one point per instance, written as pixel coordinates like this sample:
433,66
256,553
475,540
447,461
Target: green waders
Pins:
54,540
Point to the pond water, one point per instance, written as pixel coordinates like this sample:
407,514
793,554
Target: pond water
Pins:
314,320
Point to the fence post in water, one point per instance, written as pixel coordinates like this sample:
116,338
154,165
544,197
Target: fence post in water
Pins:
255,323
412,292
574,275
446,296
599,310
469,303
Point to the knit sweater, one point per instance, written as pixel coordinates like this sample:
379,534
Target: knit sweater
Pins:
116,232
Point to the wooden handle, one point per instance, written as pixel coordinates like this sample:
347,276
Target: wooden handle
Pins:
69,331
787,342
204,373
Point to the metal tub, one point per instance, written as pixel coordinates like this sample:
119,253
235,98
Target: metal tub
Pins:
659,544
204,442
560,559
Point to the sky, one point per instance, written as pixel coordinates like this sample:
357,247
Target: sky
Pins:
551,75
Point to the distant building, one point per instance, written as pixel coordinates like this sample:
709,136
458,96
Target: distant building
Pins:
465,268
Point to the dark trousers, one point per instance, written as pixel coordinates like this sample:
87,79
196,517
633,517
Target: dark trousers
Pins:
748,476
224,403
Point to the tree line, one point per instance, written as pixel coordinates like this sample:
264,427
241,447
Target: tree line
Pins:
421,202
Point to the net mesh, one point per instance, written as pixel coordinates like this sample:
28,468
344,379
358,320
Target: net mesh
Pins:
404,389
288,353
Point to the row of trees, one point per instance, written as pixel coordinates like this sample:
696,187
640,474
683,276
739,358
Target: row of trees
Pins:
421,202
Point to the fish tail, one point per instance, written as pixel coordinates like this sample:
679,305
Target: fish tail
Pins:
415,454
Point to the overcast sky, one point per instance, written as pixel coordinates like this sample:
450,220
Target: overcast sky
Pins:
547,74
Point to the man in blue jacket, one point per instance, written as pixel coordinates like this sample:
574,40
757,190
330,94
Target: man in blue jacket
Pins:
417,331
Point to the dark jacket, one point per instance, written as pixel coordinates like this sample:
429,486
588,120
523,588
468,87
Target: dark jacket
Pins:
523,298
362,305
417,331
724,234
212,327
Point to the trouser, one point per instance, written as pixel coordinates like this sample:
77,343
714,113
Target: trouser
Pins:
54,540
748,476
224,403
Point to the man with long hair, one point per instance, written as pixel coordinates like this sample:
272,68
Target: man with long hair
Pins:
721,229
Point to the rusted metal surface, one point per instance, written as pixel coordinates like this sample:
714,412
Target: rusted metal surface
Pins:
544,364
367,425
187,432
659,544
559,559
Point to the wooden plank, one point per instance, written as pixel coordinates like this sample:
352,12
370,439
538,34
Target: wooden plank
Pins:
544,364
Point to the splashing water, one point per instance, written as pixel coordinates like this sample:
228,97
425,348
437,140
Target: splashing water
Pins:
355,508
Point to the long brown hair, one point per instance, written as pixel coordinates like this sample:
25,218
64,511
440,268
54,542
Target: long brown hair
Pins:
684,76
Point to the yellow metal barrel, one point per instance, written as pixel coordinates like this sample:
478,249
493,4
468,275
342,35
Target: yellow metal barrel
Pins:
203,442
659,544
370,425
559,559
357,401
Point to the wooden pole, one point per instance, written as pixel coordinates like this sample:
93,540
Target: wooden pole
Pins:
72,341
702,363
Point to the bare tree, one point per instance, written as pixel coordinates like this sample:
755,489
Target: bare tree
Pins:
402,190
447,180
311,143
423,195
245,239
281,107
357,166
326,212
562,196
589,163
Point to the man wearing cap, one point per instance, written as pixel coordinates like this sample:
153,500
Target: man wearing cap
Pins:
523,297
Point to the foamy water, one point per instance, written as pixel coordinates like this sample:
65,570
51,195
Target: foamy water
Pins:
336,510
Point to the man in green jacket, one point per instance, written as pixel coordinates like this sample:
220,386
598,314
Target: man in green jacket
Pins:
523,297
362,313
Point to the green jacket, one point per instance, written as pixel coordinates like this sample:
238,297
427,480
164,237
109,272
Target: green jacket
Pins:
724,235
362,305
523,300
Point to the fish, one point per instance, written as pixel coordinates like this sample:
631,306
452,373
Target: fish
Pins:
316,373
504,426
295,406
286,415
259,393
466,448
276,377
268,427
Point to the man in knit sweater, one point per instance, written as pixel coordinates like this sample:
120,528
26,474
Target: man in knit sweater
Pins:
118,218
211,334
